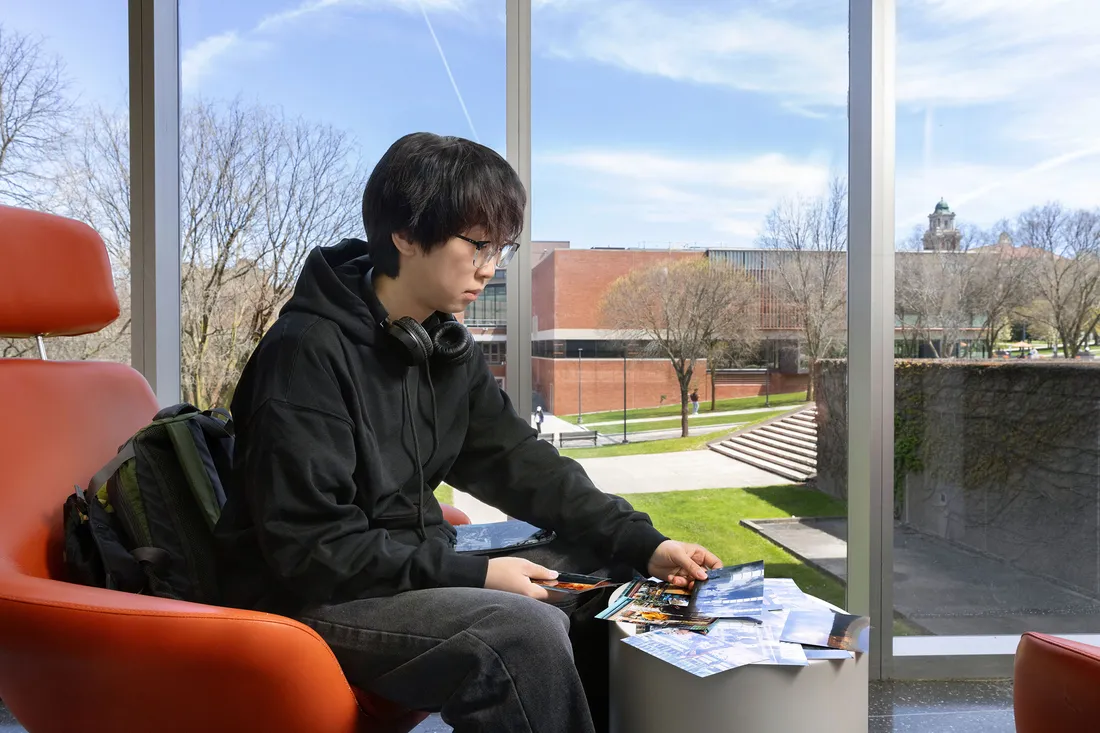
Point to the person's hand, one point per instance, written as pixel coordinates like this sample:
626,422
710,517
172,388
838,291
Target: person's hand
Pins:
681,563
514,574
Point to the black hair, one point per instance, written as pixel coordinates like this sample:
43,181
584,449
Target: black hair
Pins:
428,188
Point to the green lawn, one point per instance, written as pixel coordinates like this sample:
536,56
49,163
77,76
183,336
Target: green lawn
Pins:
672,445
711,517
445,493
672,410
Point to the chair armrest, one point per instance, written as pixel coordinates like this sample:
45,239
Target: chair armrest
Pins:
179,666
1055,684
454,515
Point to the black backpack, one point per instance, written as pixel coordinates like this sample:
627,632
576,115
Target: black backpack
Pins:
145,522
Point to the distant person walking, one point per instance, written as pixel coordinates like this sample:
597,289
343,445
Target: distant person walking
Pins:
694,402
539,418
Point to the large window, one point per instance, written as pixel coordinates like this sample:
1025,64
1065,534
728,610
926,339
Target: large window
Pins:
285,110
997,291
64,139
689,226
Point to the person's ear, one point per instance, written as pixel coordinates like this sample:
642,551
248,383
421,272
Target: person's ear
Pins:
404,245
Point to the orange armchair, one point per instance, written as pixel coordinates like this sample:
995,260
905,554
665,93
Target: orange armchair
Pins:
89,659
1055,685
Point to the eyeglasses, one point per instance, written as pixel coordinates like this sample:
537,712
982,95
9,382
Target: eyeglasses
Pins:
488,252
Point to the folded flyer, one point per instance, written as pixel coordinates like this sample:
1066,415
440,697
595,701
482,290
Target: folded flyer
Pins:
828,629
655,604
733,592
698,654
574,583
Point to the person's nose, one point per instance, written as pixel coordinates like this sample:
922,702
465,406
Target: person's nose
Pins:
485,272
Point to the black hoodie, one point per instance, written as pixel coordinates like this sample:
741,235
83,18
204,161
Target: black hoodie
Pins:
326,498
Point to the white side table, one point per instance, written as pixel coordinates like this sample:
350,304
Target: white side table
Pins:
649,695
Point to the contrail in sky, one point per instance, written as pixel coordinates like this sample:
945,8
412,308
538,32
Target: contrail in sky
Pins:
447,66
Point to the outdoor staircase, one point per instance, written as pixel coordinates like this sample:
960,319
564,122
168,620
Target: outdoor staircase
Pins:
786,446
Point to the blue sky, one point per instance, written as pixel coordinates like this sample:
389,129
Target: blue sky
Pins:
654,121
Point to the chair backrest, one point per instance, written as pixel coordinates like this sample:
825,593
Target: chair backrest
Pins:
61,421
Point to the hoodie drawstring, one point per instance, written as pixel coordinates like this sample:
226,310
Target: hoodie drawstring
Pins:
435,413
407,412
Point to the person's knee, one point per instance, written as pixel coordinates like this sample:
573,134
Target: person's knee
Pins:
523,630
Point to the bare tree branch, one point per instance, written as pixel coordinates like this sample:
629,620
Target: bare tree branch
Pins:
34,118
1065,271
682,309
807,242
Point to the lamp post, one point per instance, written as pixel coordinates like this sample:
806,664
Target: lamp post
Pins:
579,418
624,394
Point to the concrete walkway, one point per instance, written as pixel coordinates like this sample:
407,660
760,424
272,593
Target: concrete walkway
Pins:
641,436
636,420
683,471
944,588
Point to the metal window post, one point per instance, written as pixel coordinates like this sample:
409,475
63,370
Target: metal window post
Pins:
580,419
518,122
155,195
624,394
871,321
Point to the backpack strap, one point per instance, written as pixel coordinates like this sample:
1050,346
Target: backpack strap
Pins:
198,469
124,454
155,556
182,408
221,412
121,569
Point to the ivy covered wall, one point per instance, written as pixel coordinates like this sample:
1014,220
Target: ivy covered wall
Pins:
1000,456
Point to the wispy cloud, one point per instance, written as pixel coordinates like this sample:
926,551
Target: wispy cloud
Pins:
732,195
276,20
982,194
951,52
1027,69
198,61
741,48
311,7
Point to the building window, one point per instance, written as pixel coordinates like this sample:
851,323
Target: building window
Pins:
491,309
495,351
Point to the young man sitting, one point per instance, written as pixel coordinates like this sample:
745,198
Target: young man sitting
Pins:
362,397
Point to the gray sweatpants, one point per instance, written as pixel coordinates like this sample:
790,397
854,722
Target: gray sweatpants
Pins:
485,660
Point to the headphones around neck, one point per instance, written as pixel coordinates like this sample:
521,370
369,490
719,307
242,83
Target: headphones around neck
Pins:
445,341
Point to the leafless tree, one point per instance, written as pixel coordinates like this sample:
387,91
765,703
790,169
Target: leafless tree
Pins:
682,308
314,199
931,299
943,297
93,186
1065,271
729,354
34,118
807,242
1000,282
258,192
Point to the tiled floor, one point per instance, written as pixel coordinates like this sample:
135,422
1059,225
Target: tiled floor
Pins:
896,707
915,707
941,707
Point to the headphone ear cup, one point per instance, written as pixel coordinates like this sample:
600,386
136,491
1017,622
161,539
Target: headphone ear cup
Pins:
410,334
453,344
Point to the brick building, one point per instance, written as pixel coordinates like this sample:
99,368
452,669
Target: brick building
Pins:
580,366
